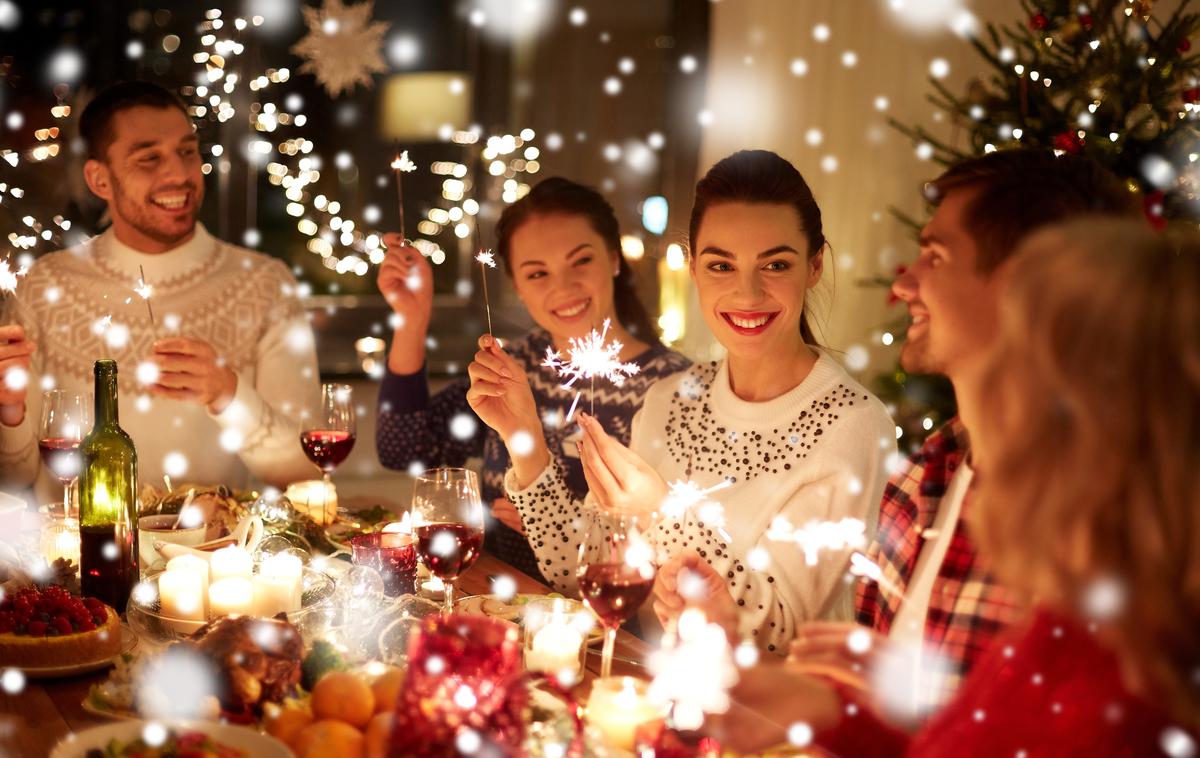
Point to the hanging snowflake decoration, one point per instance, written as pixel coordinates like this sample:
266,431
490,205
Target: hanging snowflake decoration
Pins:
343,46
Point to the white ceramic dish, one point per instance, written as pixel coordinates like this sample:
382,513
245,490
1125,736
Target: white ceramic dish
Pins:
243,738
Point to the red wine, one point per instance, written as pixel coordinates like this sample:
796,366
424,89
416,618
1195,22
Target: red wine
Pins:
614,591
109,566
448,549
327,449
61,456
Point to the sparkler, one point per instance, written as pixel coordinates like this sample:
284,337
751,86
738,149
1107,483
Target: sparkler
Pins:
589,358
861,565
402,165
486,259
816,536
694,670
685,495
144,291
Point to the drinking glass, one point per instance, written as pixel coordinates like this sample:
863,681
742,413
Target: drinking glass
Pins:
328,437
64,416
615,571
447,519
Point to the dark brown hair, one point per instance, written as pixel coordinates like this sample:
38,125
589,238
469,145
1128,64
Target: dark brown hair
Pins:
760,176
1021,190
563,197
95,125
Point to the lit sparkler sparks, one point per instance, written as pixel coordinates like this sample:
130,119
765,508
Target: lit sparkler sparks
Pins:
9,277
861,565
487,259
694,671
143,289
402,165
815,536
686,495
589,358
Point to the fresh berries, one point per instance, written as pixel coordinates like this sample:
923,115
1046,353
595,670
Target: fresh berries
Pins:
52,611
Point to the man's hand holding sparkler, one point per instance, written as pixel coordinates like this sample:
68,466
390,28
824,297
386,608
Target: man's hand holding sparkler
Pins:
406,281
501,397
688,581
617,477
190,370
842,651
16,352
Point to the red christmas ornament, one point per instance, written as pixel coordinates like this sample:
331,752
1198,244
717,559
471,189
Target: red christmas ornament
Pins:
1191,94
1068,142
1184,45
1038,21
1152,206
1086,20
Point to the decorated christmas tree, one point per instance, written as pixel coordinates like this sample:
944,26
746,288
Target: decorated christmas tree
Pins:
1108,80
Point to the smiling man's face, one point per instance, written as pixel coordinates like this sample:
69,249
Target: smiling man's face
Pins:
151,177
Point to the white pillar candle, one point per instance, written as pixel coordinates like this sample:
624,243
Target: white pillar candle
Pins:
277,585
230,562
181,594
230,595
617,707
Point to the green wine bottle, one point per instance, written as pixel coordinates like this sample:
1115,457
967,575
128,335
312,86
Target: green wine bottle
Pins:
108,551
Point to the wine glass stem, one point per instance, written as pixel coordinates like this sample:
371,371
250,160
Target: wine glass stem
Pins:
67,500
606,659
325,496
448,595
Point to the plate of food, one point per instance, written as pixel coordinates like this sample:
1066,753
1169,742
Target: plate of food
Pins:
48,632
137,738
514,608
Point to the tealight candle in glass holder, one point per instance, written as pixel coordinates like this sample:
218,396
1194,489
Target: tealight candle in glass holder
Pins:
616,708
554,640
60,538
393,554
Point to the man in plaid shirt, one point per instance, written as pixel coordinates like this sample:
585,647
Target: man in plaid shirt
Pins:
936,608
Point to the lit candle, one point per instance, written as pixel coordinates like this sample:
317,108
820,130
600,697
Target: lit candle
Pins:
192,565
181,592
617,707
230,562
277,585
555,646
60,539
433,586
314,499
229,596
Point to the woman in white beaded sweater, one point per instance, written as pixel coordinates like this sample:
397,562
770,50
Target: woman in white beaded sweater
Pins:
778,419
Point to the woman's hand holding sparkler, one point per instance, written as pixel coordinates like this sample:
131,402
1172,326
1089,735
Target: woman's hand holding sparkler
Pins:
406,281
501,397
617,477
688,581
16,352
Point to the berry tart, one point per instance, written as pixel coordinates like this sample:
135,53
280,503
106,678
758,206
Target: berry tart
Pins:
52,627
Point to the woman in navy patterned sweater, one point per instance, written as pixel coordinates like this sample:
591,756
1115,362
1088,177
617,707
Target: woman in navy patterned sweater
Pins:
561,246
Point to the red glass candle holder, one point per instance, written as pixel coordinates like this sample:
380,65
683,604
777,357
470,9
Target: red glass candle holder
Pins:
393,555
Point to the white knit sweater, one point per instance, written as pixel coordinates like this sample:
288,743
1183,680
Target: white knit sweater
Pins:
815,453
242,303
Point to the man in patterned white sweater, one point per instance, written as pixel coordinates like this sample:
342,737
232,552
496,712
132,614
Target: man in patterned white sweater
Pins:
215,387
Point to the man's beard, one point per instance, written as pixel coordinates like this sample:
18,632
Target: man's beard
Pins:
136,216
915,359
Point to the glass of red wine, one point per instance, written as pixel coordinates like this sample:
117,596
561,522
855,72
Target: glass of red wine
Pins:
64,422
616,571
447,519
328,437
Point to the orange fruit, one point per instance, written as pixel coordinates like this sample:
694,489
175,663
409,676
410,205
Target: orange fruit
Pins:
379,731
329,739
345,697
387,689
285,724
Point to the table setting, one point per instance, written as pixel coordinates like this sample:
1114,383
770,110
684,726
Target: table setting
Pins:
259,625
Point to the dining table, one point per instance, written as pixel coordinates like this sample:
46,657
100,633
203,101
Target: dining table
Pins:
45,711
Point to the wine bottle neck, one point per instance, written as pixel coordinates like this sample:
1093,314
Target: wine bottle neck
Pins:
106,397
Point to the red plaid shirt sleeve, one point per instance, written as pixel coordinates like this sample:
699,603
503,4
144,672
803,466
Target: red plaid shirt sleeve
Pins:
967,608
